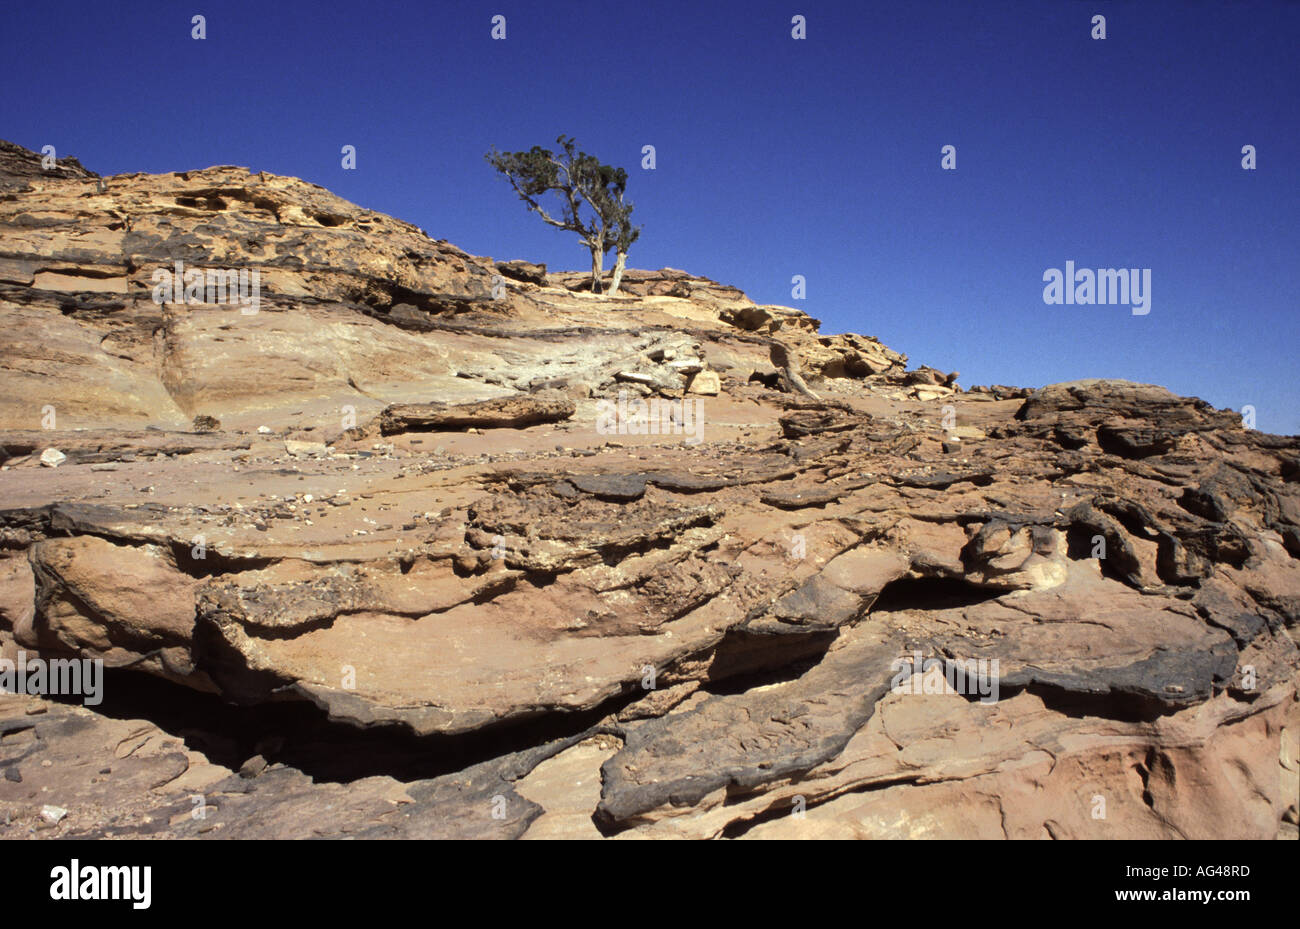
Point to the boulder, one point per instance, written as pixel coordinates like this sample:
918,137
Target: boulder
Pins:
523,271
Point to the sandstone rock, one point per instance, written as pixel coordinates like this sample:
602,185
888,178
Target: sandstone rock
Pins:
1016,557
533,634
523,271
503,413
123,603
137,361
52,458
656,379
299,449
705,383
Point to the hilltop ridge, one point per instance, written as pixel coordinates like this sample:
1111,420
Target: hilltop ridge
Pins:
355,307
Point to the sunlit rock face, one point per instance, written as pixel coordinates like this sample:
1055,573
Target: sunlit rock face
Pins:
458,548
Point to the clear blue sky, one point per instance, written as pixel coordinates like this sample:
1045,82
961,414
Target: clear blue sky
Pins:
775,157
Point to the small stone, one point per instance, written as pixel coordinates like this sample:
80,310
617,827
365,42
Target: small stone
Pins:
263,430
252,767
53,814
52,458
706,383
305,449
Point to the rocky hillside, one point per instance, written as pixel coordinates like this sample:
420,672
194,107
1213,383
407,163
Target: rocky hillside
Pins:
450,547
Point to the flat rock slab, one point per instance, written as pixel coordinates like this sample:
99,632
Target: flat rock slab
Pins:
794,498
513,412
610,486
739,742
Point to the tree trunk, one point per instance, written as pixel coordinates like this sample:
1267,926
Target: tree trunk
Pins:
618,274
597,269
787,362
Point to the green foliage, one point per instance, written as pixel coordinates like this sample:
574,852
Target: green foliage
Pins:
591,195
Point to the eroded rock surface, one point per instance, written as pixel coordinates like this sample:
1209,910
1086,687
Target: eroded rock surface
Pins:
436,546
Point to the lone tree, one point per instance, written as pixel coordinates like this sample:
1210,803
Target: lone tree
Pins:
590,195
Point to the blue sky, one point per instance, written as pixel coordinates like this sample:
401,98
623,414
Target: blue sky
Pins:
775,157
